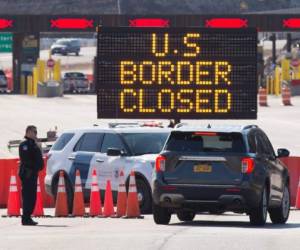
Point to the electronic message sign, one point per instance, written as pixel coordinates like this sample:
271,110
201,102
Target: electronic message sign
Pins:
176,72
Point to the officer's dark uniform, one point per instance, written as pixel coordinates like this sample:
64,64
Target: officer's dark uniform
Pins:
31,162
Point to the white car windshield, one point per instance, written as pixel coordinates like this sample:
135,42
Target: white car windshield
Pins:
145,143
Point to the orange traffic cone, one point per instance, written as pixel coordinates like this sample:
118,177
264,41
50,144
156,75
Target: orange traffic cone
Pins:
133,208
122,196
108,201
78,202
262,97
95,198
61,205
298,196
38,209
13,203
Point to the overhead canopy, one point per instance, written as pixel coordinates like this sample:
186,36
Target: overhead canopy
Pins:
96,7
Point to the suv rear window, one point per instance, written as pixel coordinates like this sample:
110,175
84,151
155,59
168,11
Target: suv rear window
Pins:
62,141
199,142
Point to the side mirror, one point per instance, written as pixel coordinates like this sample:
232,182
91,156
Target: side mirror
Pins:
282,152
114,152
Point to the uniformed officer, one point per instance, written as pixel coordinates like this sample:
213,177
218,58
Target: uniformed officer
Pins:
31,162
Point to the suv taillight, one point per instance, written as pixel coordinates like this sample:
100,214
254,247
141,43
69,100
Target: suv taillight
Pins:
247,165
160,163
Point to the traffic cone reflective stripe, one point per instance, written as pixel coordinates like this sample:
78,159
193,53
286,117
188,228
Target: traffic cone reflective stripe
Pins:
78,187
13,203
95,198
122,196
298,196
95,188
78,202
13,184
38,209
61,183
108,201
61,205
133,208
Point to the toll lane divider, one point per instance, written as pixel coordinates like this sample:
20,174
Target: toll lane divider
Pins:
6,166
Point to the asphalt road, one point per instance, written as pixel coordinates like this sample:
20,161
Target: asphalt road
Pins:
229,231
226,232
281,123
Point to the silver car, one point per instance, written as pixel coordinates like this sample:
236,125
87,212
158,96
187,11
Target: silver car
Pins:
75,82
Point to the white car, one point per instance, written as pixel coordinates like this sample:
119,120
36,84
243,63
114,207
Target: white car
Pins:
108,150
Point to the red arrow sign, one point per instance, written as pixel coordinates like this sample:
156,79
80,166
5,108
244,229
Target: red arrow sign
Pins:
72,23
227,23
6,23
149,22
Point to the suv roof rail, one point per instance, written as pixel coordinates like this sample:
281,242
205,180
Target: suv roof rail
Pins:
156,124
250,126
180,125
136,124
123,124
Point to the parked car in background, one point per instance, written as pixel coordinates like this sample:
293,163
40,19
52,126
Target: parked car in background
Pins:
75,82
66,46
217,169
3,82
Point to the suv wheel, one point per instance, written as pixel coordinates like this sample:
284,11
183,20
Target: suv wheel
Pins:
77,53
144,196
185,216
258,215
69,193
161,215
280,214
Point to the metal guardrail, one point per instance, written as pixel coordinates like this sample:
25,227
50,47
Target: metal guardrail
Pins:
46,142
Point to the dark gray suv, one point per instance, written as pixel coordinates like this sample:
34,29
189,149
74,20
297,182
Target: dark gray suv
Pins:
218,169
66,46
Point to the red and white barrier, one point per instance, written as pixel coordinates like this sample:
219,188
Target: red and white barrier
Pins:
286,96
6,166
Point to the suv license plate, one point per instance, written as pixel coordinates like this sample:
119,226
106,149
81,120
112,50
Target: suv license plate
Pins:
202,168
